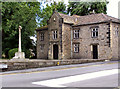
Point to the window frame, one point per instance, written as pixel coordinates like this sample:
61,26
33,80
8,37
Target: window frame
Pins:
76,48
41,36
94,33
76,34
54,34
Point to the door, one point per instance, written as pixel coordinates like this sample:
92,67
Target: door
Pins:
55,51
95,51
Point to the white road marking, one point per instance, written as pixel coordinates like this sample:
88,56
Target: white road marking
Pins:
59,81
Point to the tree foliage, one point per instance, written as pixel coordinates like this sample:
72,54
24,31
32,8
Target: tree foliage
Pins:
13,15
49,9
84,8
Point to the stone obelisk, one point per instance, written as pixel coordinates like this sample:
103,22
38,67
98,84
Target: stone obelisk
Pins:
19,54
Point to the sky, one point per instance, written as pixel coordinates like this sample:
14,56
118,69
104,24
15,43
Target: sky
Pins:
112,8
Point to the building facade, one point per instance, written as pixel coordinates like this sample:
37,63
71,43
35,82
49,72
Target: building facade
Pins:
94,36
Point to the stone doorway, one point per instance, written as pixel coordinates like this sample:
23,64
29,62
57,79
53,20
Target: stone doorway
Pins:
55,51
95,51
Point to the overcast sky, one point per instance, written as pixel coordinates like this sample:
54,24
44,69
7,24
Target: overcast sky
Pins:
112,8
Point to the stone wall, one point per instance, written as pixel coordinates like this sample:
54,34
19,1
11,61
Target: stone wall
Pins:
19,65
86,41
114,43
66,41
42,54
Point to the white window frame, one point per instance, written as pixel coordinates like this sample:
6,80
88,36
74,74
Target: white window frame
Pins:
54,34
41,36
76,48
94,32
76,34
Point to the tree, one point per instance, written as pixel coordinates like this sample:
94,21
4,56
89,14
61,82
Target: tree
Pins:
49,9
84,8
13,15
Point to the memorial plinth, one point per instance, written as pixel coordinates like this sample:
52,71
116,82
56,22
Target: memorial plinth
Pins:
19,55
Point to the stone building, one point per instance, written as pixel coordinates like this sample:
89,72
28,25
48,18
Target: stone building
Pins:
93,36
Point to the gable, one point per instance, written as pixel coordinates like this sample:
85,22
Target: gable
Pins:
55,16
68,19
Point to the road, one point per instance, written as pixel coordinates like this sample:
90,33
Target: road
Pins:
79,75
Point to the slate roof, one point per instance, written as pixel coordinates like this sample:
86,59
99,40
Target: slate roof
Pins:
90,19
95,18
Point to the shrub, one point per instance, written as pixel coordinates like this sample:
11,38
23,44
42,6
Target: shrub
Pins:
11,52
